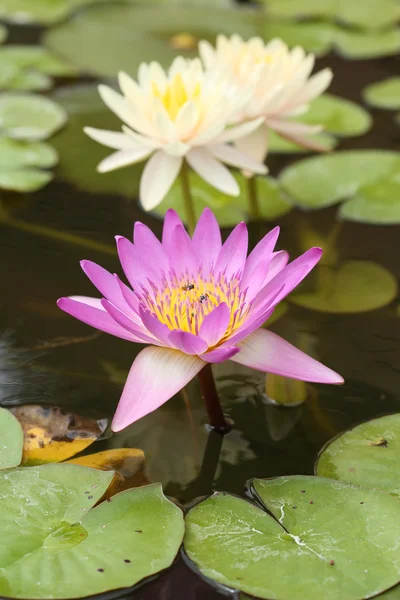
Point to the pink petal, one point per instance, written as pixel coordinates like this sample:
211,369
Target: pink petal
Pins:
215,324
187,342
104,282
156,375
278,262
149,245
130,297
91,312
127,323
220,354
232,256
207,239
136,265
258,263
171,220
289,277
266,351
181,254
155,327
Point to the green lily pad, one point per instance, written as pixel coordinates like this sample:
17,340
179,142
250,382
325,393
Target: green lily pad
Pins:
375,203
29,81
365,176
63,549
44,12
354,286
152,34
326,539
384,94
36,58
79,155
368,455
15,154
338,116
29,116
227,209
358,45
24,180
313,37
12,440
371,14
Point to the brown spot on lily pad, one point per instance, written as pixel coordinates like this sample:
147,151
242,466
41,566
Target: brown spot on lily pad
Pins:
382,442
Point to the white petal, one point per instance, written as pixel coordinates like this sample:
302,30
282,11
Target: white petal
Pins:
141,140
207,53
212,171
111,139
315,86
187,120
158,176
239,131
286,127
122,158
208,134
232,156
255,144
126,112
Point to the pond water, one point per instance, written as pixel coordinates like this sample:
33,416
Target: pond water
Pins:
48,357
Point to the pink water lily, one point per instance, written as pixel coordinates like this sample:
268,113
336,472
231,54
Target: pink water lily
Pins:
195,301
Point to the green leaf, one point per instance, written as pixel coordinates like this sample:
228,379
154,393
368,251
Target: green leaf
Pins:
377,202
338,116
24,180
328,540
228,210
29,80
44,12
384,94
359,45
15,154
12,440
354,286
368,455
35,58
29,116
152,34
62,549
321,181
371,14
313,37
79,155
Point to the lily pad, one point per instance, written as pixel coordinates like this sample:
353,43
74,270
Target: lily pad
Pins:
313,37
338,116
44,12
354,286
359,45
368,455
322,181
62,549
24,180
36,58
279,145
384,94
342,539
152,34
29,116
52,435
375,203
227,209
11,440
371,14
15,154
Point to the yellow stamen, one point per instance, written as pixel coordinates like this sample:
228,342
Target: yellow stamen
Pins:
175,95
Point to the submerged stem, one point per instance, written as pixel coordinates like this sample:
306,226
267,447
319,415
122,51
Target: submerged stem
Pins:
211,400
187,198
252,198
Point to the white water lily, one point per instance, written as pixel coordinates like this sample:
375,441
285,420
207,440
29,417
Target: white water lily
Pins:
278,83
169,117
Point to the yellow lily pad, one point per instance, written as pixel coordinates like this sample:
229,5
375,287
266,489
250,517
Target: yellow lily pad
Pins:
51,435
354,286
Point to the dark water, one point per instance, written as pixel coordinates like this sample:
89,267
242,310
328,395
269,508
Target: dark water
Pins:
48,357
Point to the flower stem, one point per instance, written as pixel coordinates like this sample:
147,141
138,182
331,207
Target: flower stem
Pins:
187,198
252,198
211,400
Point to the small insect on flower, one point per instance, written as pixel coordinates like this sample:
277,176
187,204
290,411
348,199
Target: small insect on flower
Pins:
185,329
277,82
169,117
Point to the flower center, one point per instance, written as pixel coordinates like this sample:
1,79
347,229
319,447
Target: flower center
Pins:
175,95
184,303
